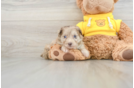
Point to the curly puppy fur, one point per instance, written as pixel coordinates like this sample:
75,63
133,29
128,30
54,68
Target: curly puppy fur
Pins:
69,37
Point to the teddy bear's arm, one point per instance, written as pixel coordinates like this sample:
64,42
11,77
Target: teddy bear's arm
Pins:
125,33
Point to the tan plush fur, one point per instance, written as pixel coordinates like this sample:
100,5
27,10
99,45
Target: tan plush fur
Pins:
125,33
70,40
102,46
119,48
96,6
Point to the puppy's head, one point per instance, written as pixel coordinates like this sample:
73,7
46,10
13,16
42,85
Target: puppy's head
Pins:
70,36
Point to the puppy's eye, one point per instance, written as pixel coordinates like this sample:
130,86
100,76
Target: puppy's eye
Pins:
65,36
75,36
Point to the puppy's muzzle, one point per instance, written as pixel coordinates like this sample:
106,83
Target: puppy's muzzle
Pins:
69,44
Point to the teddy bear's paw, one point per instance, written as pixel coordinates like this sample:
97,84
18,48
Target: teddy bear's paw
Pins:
68,57
128,54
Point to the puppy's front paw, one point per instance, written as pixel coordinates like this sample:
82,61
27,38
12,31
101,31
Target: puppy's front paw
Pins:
64,49
85,52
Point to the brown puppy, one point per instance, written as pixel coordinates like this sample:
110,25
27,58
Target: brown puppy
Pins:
69,37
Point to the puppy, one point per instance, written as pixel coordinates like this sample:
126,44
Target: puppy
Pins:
69,37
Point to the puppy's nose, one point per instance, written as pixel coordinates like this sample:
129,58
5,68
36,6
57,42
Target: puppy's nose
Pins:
69,44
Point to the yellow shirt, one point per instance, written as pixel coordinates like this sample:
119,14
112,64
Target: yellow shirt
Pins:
103,24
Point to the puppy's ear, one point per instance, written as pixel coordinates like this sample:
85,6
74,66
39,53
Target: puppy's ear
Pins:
60,32
79,3
79,31
116,1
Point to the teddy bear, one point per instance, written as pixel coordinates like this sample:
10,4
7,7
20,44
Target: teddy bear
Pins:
104,37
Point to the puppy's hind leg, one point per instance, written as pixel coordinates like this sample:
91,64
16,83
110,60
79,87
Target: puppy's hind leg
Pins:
45,53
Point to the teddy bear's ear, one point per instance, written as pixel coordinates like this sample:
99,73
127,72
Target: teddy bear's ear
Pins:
79,3
116,1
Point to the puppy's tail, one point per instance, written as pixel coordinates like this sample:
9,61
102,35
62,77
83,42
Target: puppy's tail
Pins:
45,53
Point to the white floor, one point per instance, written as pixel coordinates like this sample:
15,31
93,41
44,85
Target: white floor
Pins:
40,73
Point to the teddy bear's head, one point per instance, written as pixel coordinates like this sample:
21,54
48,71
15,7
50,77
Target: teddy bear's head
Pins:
96,6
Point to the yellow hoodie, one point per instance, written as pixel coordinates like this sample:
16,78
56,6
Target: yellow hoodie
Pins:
103,24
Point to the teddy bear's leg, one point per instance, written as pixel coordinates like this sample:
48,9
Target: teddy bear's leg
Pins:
123,51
